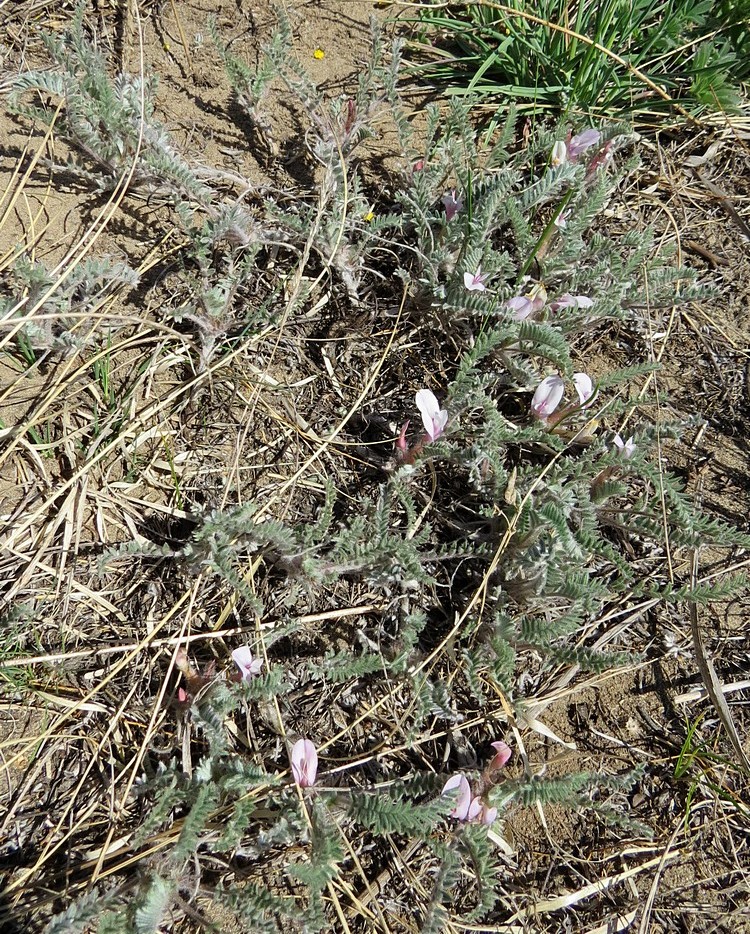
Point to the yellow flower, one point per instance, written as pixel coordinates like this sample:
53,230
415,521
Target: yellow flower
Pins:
370,216
319,53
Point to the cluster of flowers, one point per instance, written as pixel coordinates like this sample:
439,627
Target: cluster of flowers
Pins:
474,809
468,806
530,301
545,401
535,297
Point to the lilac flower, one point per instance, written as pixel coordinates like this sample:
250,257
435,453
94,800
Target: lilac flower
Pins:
474,281
304,763
466,808
625,448
434,418
453,204
571,301
584,387
248,665
547,397
580,143
502,754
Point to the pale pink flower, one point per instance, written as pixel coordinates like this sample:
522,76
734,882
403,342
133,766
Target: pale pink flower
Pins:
248,665
521,306
475,809
547,397
584,387
625,448
466,808
453,204
571,301
304,759
502,754
487,815
562,219
434,418
474,281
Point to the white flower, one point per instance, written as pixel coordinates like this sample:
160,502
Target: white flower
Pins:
571,301
547,397
434,418
248,665
474,281
625,448
559,153
584,387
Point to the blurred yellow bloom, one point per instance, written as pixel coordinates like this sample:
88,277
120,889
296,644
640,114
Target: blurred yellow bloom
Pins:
319,53
370,216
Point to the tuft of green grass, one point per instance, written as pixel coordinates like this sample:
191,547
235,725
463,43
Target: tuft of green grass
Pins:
599,58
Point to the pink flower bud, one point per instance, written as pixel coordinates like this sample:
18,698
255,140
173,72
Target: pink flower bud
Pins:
304,760
502,754
401,443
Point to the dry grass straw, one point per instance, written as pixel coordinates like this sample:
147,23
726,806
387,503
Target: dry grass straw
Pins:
43,549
